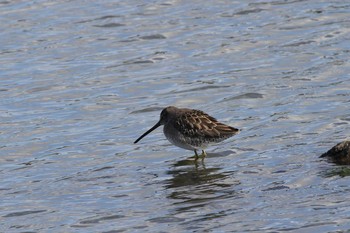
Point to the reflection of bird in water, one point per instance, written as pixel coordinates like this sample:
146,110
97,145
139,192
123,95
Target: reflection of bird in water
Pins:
191,129
197,186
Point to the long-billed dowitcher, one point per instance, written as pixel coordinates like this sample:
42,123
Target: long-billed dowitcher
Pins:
191,129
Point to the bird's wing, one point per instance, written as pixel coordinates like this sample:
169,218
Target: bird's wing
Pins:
199,124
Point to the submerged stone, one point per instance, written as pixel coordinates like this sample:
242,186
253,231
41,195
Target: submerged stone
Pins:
339,154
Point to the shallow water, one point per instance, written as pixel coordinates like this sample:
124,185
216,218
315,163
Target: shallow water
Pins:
80,81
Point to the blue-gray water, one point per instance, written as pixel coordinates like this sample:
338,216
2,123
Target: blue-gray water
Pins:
81,80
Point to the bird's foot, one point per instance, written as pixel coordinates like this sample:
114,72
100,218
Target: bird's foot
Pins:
196,157
203,155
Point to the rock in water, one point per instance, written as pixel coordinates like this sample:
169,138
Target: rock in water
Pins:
339,154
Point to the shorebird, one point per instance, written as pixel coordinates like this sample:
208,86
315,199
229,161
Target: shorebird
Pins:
191,129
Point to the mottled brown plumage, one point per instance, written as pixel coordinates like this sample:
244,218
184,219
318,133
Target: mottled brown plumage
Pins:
191,129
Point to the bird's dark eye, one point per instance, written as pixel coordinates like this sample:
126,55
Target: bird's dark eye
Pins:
164,113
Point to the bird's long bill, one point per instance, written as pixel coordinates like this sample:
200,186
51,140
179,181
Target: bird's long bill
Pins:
148,131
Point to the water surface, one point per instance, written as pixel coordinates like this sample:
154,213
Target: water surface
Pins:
80,81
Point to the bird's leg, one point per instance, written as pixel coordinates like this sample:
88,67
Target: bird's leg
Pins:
196,157
203,154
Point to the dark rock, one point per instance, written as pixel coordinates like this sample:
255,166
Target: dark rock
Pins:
339,154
